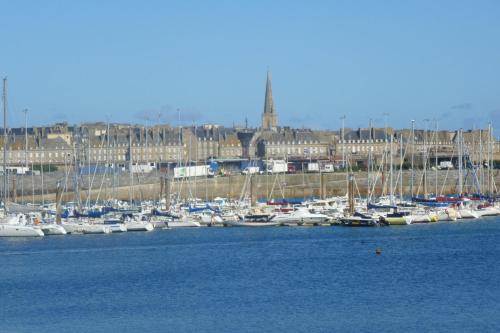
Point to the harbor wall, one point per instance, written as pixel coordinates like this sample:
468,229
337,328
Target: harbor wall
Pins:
256,187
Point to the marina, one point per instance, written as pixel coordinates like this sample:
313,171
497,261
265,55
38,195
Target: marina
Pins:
265,279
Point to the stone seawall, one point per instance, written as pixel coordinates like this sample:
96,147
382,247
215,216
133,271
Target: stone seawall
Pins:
256,187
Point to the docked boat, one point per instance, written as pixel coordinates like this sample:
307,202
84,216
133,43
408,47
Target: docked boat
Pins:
51,229
359,220
487,210
139,226
447,214
18,230
137,222
15,226
301,216
245,223
73,227
96,229
182,223
396,218
117,227
466,213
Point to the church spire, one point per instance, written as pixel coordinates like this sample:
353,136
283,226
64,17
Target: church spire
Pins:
269,117
268,104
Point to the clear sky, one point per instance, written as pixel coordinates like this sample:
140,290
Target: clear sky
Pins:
129,61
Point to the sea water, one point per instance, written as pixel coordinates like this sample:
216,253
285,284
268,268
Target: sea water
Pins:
440,277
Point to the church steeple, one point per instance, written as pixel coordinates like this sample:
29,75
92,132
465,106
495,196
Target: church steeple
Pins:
269,117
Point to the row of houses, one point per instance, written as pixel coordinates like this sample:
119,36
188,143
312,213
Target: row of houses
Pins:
122,143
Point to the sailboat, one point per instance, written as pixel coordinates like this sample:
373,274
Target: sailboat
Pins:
12,226
15,226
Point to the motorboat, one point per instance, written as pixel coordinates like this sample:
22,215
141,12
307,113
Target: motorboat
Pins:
359,220
301,216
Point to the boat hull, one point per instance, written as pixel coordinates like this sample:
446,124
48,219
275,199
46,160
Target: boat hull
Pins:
53,229
358,222
251,224
139,226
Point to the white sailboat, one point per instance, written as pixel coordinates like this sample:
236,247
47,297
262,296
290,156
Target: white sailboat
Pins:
12,226
138,223
15,226
51,229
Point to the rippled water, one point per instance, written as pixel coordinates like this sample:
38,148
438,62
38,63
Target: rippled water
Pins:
441,277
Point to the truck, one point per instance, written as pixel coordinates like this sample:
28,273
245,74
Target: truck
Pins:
250,170
276,166
313,167
143,168
327,168
445,165
193,171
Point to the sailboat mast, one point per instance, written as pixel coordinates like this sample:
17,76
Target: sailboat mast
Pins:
412,155
370,157
5,179
481,164
436,157
25,111
460,160
401,167
391,172
425,159
130,164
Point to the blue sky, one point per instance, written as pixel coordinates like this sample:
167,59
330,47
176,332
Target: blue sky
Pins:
140,61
